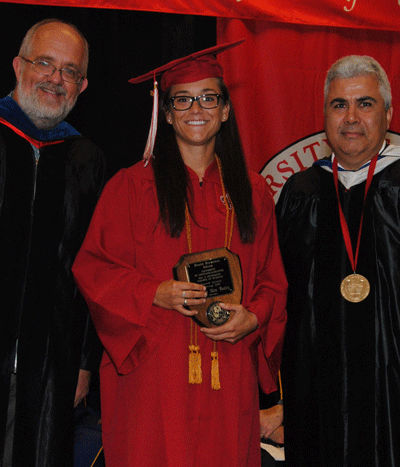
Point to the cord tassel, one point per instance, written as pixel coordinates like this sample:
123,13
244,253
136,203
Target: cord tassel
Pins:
195,375
215,383
148,150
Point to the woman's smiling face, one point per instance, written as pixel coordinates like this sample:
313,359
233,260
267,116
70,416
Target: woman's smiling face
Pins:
197,126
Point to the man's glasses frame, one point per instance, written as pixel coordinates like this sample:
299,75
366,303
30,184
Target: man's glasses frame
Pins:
45,68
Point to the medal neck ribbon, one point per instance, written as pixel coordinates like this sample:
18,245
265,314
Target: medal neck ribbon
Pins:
345,229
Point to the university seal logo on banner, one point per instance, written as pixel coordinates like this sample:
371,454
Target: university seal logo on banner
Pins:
299,156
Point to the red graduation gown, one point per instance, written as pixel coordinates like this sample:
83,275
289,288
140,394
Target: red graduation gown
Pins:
151,415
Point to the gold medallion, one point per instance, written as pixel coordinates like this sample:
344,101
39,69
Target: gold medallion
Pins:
355,288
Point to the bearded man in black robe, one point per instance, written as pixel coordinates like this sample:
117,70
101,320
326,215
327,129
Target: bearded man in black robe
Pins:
339,227
50,180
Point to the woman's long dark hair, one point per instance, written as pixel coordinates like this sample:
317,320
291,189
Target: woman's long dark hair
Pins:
172,178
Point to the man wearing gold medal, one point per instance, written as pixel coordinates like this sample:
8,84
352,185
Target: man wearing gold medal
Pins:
339,229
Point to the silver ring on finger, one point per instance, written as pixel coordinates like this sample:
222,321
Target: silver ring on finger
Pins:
183,294
185,302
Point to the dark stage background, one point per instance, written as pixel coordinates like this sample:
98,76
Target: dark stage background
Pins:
111,112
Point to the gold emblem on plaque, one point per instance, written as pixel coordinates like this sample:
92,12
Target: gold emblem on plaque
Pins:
355,288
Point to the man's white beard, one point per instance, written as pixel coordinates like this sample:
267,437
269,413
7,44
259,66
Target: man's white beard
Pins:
43,116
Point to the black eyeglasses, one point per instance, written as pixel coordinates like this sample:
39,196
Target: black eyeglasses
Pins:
43,67
206,101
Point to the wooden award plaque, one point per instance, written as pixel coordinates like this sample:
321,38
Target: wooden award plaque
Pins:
220,272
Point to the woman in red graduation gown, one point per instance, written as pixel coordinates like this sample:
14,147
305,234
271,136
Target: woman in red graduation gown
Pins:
175,393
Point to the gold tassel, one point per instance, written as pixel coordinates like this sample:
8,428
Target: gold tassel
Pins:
215,383
195,375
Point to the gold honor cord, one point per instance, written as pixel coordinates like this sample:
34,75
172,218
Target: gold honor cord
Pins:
195,374
97,456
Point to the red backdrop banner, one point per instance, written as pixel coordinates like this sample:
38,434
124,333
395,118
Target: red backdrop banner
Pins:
276,78
373,14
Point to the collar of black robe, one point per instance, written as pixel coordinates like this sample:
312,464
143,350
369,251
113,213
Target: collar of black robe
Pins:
12,115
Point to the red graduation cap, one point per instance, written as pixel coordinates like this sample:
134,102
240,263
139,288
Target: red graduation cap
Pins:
194,67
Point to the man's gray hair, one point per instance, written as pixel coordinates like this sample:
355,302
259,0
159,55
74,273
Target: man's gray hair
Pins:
27,41
353,66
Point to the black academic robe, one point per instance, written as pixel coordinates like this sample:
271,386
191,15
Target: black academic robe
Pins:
341,360
45,209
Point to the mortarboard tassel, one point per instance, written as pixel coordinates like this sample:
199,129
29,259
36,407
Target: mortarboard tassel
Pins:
148,151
